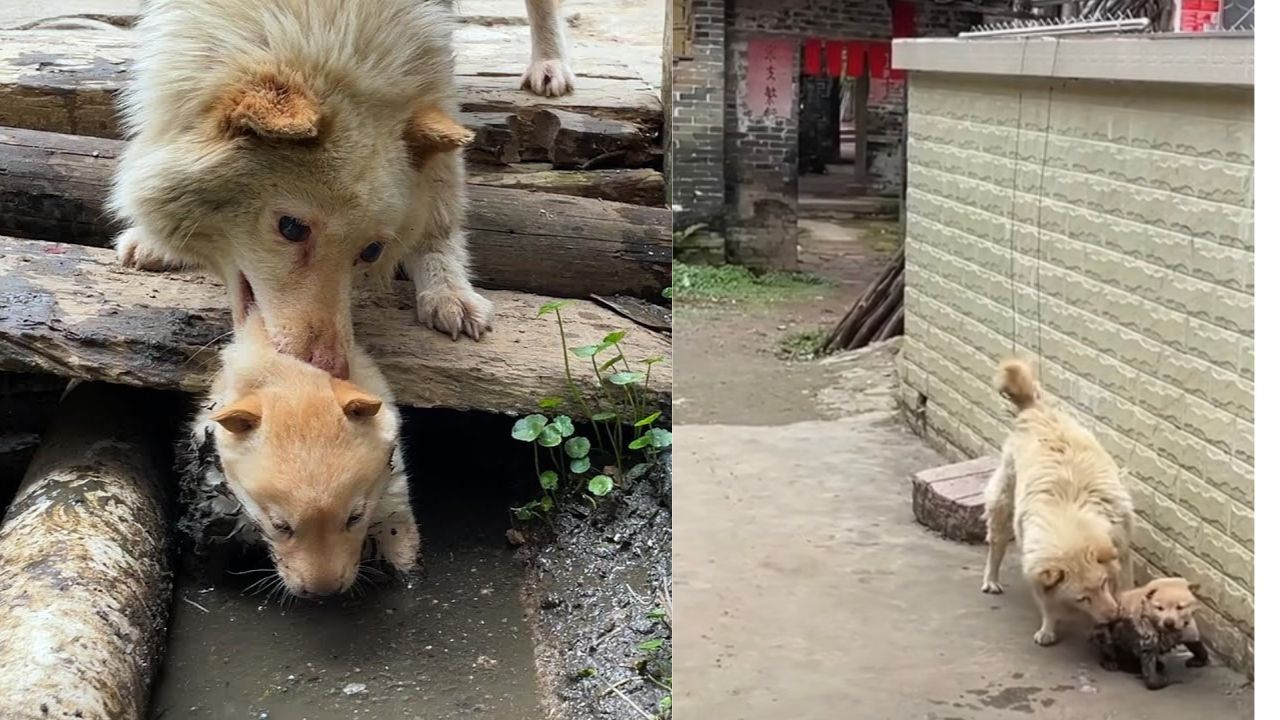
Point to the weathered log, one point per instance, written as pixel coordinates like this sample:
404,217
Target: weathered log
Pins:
894,325
567,139
86,562
52,187
634,187
841,338
72,311
66,81
882,312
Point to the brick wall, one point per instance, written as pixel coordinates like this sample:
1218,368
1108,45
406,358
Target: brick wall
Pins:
739,174
1105,229
697,117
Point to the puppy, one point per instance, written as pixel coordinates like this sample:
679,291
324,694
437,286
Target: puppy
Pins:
1059,495
1154,619
303,462
284,144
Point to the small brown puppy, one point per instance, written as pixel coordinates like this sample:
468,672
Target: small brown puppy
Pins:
1154,619
305,463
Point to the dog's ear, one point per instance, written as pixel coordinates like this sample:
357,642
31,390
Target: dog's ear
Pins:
240,416
1050,577
1152,592
432,130
1193,588
272,105
355,402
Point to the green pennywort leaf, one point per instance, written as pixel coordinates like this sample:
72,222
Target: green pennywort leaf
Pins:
579,465
529,427
613,338
612,361
661,438
650,645
600,485
551,307
549,480
564,425
649,420
577,447
585,351
550,436
604,416
625,377
643,441
550,403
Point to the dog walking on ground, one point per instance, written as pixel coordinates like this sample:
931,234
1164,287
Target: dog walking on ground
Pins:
1059,495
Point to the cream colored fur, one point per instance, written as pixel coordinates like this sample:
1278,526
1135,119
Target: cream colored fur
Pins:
338,113
304,454
1059,495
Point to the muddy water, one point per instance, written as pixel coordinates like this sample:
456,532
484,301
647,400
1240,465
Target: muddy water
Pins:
452,644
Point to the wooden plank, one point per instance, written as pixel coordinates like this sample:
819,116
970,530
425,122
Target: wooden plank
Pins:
566,139
52,187
66,80
72,311
635,187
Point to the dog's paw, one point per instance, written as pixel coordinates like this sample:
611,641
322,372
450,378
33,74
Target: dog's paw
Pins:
134,250
549,78
399,545
1045,638
992,588
1195,662
456,312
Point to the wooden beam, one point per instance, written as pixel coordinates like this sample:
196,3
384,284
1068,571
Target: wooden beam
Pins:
634,187
66,81
86,561
72,311
52,187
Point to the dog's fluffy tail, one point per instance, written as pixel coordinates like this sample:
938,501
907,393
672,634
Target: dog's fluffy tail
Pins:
1017,381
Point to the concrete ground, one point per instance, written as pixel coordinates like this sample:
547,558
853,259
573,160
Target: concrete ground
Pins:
805,590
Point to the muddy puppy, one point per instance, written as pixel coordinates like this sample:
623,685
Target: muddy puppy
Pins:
1154,620
303,462
293,146
1058,494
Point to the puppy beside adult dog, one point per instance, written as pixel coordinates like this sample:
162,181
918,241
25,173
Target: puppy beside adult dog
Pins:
289,145
1059,495
304,463
1154,619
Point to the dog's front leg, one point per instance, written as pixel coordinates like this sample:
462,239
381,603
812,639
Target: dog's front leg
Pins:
394,527
446,300
549,73
999,516
135,248
1191,638
1153,674
1048,632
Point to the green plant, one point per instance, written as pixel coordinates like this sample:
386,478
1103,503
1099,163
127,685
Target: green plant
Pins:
734,283
802,344
566,461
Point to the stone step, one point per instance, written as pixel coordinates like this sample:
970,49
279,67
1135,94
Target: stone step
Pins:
948,499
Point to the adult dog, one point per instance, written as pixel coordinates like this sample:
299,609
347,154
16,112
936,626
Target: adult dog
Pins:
1059,494
280,142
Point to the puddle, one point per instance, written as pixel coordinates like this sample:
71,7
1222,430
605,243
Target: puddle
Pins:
453,644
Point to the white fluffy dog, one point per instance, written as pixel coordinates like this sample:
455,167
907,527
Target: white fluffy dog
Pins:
1059,494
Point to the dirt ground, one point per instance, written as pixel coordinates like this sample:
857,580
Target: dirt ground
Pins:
815,594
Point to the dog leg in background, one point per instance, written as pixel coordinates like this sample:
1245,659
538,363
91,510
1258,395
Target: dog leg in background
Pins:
1153,671
1048,632
135,249
446,300
999,516
549,73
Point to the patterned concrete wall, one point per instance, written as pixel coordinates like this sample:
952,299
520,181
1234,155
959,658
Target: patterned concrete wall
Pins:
1105,230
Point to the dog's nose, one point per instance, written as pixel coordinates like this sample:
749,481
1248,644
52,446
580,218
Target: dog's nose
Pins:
1170,624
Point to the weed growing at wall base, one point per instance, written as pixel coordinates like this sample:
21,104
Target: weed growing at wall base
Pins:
570,462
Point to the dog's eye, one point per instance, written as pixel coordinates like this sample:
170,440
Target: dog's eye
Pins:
1084,599
282,527
354,518
371,252
293,229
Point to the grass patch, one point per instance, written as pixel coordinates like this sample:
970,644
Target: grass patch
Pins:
734,283
885,239
801,344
